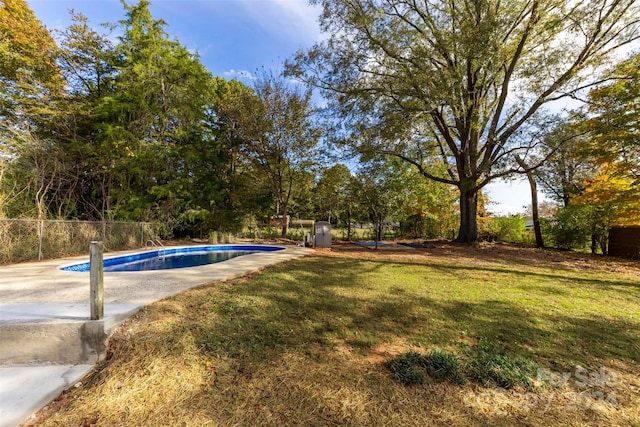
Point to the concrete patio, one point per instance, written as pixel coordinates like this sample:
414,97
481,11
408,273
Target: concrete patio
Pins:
47,341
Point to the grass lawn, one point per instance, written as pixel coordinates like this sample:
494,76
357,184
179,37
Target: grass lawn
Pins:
305,343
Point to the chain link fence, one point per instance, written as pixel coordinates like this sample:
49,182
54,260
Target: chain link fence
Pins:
33,239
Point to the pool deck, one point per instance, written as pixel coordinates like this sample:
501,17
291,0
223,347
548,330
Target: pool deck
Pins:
40,304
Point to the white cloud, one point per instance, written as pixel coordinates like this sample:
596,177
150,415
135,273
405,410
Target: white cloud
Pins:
288,18
239,75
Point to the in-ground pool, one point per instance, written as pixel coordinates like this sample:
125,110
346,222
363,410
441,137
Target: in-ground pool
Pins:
170,258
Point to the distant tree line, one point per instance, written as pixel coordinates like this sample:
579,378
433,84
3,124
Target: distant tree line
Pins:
435,99
138,129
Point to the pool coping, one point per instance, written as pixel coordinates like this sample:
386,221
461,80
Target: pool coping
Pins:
111,260
43,282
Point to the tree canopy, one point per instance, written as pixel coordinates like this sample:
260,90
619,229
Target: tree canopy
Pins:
458,80
130,125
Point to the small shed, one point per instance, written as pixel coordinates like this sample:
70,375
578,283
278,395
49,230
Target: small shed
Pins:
322,233
624,242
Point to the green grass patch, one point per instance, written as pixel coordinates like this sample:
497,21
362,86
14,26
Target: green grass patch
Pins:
489,366
410,367
556,317
485,364
307,341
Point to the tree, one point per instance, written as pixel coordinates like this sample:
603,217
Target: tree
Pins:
614,118
331,191
162,117
29,180
280,137
592,179
566,167
426,208
533,185
377,195
30,84
614,125
458,79
29,75
91,156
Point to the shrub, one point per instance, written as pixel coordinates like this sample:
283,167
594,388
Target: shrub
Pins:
443,366
570,228
407,368
507,228
410,367
487,365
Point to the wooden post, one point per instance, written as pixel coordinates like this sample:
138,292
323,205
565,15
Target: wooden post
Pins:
40,233
96,300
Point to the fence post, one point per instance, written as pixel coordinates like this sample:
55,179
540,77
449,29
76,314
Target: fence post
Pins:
96,282
40,233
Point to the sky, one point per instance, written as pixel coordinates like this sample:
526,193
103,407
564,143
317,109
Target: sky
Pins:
234,38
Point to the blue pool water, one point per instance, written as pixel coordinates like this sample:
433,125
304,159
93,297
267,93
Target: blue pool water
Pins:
164,259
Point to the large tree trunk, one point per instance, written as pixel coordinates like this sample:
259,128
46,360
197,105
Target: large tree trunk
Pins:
534,203
283,220
468,232
285,227
534,211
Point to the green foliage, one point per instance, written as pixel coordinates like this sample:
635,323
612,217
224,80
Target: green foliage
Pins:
331,194
487,365
444,366
507,229
614,118
29,75
280,137
570,228
410,367
407,368
144,132
437,80
390,191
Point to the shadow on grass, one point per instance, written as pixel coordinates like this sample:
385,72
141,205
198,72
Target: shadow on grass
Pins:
290,346
321,301
571,277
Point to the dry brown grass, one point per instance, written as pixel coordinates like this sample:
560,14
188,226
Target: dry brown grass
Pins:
159,371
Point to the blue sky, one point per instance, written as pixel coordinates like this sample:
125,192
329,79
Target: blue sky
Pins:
231,36
236,37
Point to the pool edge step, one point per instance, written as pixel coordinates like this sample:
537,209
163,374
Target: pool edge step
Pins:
58,340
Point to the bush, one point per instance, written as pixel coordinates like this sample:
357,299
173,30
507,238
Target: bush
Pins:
444,366
570,228
506,229
487,365
410,367
407,368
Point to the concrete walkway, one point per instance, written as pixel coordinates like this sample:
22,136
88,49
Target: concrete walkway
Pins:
47,341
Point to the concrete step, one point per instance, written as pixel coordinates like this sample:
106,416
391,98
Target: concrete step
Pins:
26,389
32,334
